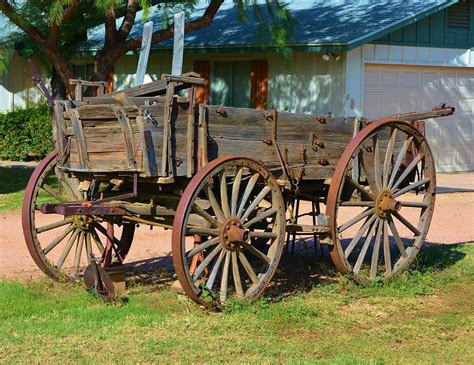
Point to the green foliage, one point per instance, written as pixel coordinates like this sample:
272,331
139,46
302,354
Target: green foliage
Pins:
25,133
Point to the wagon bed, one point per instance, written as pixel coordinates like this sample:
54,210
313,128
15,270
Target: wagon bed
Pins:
228,181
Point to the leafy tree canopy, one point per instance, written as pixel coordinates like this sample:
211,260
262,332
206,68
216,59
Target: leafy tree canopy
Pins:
53,30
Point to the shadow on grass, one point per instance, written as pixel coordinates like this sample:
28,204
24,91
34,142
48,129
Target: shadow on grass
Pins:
297,273
438,256
13,179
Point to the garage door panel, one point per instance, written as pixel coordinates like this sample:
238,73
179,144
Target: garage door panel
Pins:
465,131
390,78
392,89
411,79
465,106
391,105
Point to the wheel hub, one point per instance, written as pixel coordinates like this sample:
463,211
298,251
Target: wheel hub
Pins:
83,222
385,204
232,233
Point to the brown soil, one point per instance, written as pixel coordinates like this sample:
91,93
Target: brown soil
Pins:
453,222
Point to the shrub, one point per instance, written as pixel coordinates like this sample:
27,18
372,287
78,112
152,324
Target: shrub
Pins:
25,133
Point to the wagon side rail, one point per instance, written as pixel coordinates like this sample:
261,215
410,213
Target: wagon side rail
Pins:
440,110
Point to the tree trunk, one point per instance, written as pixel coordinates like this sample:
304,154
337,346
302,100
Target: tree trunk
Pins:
103,68
58,89
62,67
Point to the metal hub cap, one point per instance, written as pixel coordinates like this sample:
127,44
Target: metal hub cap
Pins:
385,204
232,233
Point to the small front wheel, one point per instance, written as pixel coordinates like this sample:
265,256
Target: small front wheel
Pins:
228,232
62,246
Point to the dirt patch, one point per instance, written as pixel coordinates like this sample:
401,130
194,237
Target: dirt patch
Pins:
453,222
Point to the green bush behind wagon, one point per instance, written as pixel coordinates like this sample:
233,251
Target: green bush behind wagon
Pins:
25,133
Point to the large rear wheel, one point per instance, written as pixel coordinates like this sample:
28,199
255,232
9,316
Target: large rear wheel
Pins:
381,201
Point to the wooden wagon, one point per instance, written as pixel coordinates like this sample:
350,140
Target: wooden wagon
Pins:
226,180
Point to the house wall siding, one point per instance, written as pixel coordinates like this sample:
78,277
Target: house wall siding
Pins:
16,87
432,31
306,84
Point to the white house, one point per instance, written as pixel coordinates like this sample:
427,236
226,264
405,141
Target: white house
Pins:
362,57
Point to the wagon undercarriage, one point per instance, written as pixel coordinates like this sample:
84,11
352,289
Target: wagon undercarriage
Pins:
229,182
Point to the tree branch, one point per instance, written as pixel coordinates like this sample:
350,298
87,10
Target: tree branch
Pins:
55,27
16,19
110,28
128,19
167,33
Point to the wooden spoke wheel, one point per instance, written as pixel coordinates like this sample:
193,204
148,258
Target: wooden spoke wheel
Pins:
60,245
228,232
379,221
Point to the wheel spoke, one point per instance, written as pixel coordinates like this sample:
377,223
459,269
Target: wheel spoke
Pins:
363,251
358,235
98,243
378,178
356,203
388,157
88,247
354,220
369,173
202,231
58,239
115,242
235,191
412,186
215,270
214,204
398,162
256,201
197,209
224,197
386,249
51,226
77,256
407,224
260,216
247,191
53,193
375,252
206,262
248,268
225,277
366,194
236,275
67,249
257,253
203,246
405,173
396,236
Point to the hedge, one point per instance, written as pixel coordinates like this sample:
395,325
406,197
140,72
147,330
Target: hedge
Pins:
25,133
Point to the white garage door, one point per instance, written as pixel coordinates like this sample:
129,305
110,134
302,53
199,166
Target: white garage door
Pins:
391,89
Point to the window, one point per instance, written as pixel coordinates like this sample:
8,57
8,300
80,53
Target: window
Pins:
230,83
459,16
83,71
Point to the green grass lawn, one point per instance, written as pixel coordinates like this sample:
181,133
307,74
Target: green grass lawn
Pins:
310,315
12,187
